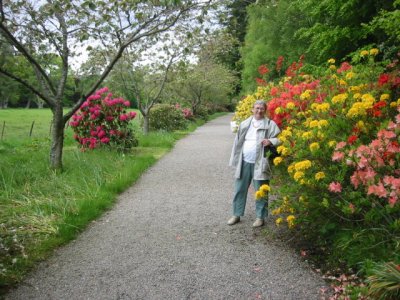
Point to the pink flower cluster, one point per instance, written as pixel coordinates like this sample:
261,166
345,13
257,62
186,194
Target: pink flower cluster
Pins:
376,164
101,120
187,112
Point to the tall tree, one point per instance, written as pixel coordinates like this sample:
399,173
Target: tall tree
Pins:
234,20
146,85
337,27
203,81
270,34
64,27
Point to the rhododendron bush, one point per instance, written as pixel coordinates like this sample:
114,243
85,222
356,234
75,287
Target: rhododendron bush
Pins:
339,169
104,121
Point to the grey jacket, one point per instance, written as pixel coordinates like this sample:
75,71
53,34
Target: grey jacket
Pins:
262,170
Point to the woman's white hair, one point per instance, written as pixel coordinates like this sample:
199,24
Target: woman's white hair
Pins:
260,102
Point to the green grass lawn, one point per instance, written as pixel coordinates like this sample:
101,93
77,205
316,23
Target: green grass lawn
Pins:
41,209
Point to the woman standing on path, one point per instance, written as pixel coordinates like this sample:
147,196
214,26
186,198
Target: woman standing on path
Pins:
248,158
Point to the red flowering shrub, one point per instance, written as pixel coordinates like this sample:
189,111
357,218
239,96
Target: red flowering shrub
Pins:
103,121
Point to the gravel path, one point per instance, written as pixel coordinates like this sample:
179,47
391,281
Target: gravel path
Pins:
167,238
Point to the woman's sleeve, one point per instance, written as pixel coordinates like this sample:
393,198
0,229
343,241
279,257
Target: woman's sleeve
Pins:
273,133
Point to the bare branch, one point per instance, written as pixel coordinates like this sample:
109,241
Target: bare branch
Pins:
165,78
64,53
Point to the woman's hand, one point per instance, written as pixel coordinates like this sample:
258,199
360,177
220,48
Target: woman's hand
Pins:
266,142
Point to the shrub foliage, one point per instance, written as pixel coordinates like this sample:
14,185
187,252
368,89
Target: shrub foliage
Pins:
167,117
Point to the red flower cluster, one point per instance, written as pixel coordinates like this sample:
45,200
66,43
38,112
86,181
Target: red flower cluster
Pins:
279,63
263,70
103,120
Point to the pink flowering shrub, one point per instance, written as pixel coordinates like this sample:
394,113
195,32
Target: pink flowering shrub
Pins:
377,168
103,121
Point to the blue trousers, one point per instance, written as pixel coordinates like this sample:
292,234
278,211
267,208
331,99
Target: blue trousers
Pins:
241,189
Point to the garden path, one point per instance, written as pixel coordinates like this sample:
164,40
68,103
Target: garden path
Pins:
167,238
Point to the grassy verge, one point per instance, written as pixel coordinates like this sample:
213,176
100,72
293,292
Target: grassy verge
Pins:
41,210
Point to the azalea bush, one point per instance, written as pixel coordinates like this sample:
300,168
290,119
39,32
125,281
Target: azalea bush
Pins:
168,117
340,155
187,112
103,121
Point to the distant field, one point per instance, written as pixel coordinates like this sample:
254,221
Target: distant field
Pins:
17,123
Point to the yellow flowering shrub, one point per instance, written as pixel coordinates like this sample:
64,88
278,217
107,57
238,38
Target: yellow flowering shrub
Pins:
324,122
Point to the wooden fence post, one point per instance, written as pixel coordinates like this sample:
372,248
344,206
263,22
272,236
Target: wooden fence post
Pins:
2,131
30,132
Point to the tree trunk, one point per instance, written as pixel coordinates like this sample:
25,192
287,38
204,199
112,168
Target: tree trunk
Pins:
4,103
28,104
146,124
57,139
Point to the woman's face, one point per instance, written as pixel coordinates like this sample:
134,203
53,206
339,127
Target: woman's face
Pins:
258,111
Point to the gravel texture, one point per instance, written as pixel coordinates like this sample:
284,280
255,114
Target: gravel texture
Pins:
167,238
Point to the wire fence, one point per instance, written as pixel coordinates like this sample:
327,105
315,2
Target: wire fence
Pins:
34,129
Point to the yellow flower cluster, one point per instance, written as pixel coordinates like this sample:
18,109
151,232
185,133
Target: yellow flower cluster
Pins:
279,110
340,98
302,165
350,75
298,170
319,175
290,220
395,104
307,135
298,175
320,107
261,93
306,95
360,108
262,191
277,160
283,136
384,97
315,123
314,147
361,126
284,208
244,108
331,61
372,52
332,143
290,105
354,88
282,150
